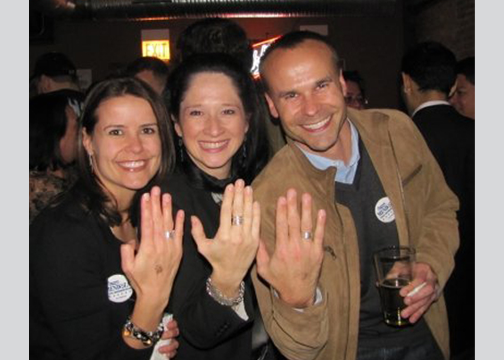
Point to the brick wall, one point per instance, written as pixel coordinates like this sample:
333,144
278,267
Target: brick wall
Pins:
450,22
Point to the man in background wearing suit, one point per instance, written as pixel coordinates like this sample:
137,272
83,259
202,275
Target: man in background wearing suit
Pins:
428,78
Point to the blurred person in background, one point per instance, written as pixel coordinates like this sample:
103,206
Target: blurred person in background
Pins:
216,35
356,90
53,71
429,73
53,145
151,70
463,99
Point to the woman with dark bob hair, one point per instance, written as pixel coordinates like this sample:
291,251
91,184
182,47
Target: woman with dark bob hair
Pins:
53,145
219,119
96,291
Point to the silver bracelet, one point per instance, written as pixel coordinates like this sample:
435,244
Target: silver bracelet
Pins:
148,338
221,298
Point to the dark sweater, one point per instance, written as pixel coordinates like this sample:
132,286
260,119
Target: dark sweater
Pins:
72,256
375,231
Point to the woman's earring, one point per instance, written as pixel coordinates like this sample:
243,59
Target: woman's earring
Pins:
181,149
91,163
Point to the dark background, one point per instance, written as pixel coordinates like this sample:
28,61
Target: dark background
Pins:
372,44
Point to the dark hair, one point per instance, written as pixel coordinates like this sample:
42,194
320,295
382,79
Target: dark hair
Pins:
254,153
292,40
431,66
157,66
466,67
89,190
353,75
48,124
216,35
55,64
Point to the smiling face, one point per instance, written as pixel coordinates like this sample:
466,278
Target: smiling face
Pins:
306,90
212,122
125,145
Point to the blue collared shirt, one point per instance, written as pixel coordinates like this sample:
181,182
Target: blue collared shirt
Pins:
345,173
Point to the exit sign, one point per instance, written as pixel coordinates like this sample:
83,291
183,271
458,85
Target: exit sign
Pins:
156,48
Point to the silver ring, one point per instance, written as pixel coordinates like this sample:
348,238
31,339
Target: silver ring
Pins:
236,220
170,234
307,235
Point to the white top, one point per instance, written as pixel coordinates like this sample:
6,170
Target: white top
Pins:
430,103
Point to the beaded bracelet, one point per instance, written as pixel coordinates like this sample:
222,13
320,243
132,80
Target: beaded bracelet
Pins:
223,299
148,338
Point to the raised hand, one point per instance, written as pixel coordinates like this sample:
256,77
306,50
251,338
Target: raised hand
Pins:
420,293
152,269
234,247
293,269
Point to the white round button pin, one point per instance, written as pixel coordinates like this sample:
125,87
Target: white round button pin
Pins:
384,211
119,289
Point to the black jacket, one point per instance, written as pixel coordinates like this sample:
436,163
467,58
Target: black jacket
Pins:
72,256
451,138
208,330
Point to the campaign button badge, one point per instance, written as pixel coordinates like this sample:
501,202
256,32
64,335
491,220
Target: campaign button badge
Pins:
384,211
119,289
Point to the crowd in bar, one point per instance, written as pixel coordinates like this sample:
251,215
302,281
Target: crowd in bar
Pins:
230,202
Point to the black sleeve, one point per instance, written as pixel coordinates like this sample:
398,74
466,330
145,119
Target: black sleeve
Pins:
202,321
69,299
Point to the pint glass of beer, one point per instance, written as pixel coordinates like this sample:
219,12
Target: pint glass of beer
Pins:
394,270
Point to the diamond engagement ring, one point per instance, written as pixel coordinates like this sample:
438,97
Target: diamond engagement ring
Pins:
170,234
236,220
306,235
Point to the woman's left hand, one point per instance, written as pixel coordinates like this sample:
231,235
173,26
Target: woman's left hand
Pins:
234,247
152,269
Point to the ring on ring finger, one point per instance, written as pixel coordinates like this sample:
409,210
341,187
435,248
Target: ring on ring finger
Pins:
306,235
236,220
170,234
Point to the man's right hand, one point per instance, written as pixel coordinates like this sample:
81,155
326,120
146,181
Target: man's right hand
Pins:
293,269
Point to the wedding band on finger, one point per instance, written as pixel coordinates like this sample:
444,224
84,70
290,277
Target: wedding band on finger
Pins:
170,234
236,220
306,235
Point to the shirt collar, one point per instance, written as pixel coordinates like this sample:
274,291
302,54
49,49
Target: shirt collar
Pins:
345,173
430,103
